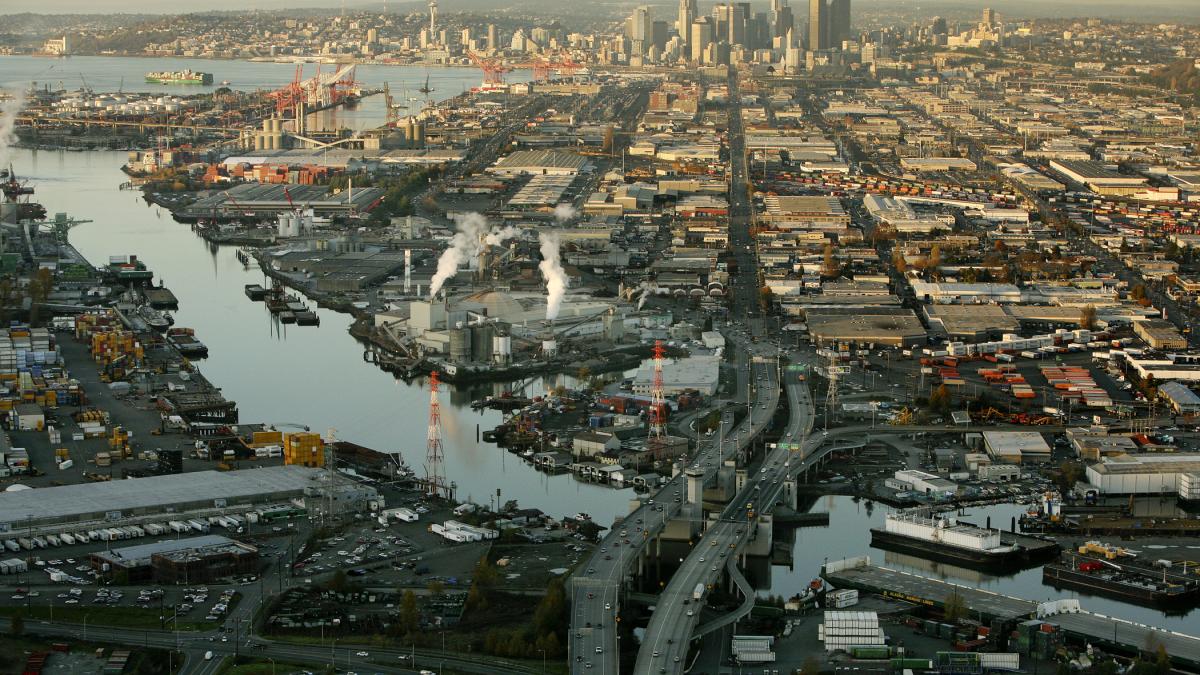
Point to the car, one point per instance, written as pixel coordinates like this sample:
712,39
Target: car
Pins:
362,654
656,654
599,650
608,605
691,613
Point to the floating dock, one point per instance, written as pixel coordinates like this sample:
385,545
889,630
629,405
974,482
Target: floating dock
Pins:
1083,627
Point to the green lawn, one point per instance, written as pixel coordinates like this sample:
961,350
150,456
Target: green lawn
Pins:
123,617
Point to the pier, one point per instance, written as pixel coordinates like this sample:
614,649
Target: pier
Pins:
1114,634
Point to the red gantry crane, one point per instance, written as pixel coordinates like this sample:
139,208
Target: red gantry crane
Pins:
493,69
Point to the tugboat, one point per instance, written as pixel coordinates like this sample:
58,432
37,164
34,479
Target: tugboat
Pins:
155,319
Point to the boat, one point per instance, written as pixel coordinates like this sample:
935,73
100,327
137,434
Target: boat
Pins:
127,269
941,538
287,316
1123,578
225,83
155,319
256,292
187,76
185,342
307,318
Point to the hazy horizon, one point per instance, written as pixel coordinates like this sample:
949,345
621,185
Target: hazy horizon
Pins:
1150,10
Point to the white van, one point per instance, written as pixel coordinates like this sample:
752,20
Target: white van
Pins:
208,655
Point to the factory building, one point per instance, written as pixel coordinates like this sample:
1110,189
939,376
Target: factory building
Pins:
1147,474
203,559
1097,177
1160,334
790,213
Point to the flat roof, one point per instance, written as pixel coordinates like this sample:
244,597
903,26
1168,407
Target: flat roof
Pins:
75,502
143,552
1155,463
1007,442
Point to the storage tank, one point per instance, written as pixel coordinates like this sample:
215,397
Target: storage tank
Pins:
550,347
460,345
501,349
285,224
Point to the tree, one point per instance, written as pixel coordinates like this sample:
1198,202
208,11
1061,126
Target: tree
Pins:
410,616
551,613
939,400
954,607
811,666
1069,473
338,583
1138,292
435,588
899,262
935,257
829,268
1087,317
583,373
16,625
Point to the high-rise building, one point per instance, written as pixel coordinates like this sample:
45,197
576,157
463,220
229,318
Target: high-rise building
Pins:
739,16
781,18
639,28
720,22
939,26
989,17
818,25
839,22
701,38
658,34
492,43
687,15
828,24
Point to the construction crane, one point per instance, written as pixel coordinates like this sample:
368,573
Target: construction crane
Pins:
493,69
427,91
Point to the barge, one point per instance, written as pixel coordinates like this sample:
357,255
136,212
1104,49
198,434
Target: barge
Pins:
256,292
941,538
185,342
1123,578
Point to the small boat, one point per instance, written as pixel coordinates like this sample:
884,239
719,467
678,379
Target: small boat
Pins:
225,83
155,319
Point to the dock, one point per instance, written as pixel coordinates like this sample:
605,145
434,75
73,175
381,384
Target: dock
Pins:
1115,634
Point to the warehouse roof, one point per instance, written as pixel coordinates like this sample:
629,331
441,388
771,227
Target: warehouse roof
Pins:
543,159
142,553
1135,464
78,501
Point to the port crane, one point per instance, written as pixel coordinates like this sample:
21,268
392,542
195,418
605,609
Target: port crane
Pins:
493,69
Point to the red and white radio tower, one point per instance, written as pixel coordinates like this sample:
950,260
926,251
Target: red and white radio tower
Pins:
435,478
658,407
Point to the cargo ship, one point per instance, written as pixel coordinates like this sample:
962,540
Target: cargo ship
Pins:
178,77
941,538
1122,577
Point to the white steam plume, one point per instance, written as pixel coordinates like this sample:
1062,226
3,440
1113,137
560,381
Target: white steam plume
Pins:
642,299
552,272
464,245
498,237
564,212
9,109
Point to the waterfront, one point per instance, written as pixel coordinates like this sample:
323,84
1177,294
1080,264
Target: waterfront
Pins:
848,534
112,74
290,374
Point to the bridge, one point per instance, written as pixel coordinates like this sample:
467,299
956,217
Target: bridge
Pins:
596,591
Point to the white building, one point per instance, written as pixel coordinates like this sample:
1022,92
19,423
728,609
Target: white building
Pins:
1146,474
1014,447
700,373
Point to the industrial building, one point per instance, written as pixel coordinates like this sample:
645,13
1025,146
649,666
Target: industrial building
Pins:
70,505
1147,474
694,373
257,200
920,164
193,560
944,293
892,326
1160,334
1016,447
809,213
1097,177
911,480
901,216
541,162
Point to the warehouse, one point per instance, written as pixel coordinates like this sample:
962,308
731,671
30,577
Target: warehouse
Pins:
1097,177
894,327
789,213
1160,334
911,480
540,162
264,200
921,164
695,373
1143,474
113,500
193,560
1015,447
